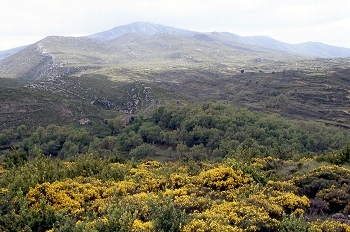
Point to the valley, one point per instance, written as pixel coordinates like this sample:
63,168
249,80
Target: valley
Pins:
151,128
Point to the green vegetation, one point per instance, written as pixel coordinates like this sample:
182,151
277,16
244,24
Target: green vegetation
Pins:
89,193
219,168
206,131
145,134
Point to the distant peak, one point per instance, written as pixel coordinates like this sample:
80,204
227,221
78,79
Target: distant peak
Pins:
141,27
143,23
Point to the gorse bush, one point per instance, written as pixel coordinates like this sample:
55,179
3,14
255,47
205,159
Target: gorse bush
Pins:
93,193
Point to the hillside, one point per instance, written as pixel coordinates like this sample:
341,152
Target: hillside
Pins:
313,90
258,73
67,100
152,128
6,53
57,56
313,49
231,169
305,94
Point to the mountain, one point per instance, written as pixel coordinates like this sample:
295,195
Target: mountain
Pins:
143,44
317,49
56,56
52,56
140,66
144,28
6,53
313,49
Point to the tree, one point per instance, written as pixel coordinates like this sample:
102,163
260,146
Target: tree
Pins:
198,152
117,124
109,143
151,134
181,150
143,151
69,149
21,130
3,139
128,141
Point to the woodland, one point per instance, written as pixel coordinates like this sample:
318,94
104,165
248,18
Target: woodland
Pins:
203,167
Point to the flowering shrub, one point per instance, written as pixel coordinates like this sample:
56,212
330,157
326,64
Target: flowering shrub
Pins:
174,196
337,198
177,180
329,226
68,194
147,180
192,203
241,215
124,188
223,178
139,204
140,226
2,170
291,202
282,186
272,208
209,225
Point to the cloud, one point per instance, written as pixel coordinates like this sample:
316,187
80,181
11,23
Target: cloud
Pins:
298,20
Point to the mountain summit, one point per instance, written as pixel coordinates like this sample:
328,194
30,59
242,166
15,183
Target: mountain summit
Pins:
146,42
145,28
313,49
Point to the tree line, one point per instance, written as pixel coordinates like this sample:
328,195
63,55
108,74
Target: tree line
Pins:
206,131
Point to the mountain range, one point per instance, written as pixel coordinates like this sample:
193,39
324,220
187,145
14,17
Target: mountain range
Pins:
136,67
313,49
147,44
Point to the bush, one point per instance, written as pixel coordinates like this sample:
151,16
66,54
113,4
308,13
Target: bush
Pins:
294,223
3,139
143,151
167,217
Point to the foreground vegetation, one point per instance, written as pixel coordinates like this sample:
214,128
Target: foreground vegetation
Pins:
99,194
208,167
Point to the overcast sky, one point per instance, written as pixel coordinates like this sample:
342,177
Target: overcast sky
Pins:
27,21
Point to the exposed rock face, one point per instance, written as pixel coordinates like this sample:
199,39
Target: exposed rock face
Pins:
139,97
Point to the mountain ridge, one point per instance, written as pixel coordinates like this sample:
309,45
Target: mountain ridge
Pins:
312,49
55,56
146,28
9,52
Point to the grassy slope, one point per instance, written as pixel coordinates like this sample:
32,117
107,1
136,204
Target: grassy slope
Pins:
314,90
201,68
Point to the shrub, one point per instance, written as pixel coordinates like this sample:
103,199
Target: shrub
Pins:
294,223
3,139
167,217
143,151
223,178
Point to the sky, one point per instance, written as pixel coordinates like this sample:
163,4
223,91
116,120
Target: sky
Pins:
28,21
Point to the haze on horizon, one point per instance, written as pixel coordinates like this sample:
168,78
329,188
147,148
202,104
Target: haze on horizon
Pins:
289,21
